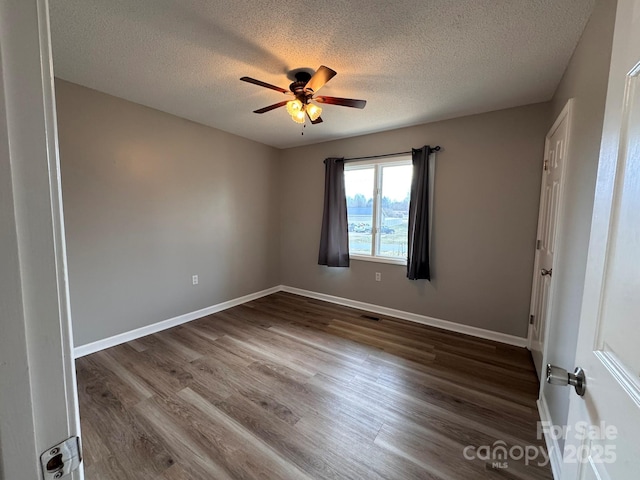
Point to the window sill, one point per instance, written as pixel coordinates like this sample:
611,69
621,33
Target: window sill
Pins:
391,261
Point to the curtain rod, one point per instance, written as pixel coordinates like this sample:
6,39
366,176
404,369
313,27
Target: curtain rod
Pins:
431,150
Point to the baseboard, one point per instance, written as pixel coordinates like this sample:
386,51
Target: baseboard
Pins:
412,317
555,456
124,337
98,345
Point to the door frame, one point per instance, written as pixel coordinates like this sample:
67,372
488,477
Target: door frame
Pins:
566,112
38,399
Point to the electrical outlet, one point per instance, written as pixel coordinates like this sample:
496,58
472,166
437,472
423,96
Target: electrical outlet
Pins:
194,279
378,277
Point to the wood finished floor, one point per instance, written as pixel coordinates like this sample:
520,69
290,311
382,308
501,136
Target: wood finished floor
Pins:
287,387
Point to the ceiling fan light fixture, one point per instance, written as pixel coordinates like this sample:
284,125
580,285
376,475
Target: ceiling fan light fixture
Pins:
303,90
298,117
314,111
294,106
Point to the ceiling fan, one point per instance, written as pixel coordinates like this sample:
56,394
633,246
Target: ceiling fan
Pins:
303,89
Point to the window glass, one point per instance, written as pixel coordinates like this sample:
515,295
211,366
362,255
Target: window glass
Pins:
359,185
378,209
394,211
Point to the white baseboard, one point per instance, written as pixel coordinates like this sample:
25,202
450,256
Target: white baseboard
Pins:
555,455
412,317
98,345
124,337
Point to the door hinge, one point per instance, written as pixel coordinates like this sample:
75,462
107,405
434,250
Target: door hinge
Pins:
546,165
62,459
538,244
531,317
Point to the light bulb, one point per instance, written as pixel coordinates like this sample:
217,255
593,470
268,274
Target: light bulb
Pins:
294,106
298,116
314,111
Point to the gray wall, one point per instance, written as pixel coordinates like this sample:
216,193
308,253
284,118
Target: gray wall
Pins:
486,203
151,199
585,80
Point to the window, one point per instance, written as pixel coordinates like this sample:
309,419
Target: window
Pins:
378,209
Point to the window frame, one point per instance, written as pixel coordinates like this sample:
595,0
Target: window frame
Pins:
378,165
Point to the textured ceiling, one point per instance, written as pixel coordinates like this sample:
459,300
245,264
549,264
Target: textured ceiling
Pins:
414,61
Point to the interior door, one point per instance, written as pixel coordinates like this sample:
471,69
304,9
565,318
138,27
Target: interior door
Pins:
38,402
550,197
609,337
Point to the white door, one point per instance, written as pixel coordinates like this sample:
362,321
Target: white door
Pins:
38,404
609,337
555,154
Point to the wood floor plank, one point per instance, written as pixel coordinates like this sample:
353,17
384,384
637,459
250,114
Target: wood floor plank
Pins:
306,451
176,472
435,454
325,342
286,387
107,469
140,452
94,447
410,379
112,364
193,452
272,464
172,340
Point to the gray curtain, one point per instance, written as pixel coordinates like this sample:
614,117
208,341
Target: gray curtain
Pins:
418,249
334,239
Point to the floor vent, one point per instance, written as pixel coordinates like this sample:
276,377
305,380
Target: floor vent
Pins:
371,317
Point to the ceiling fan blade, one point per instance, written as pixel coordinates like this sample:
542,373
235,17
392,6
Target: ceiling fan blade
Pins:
344,102
264,84
316,121
271,107
322,76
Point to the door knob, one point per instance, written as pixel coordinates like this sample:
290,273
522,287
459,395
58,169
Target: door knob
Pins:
559,376
544,272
